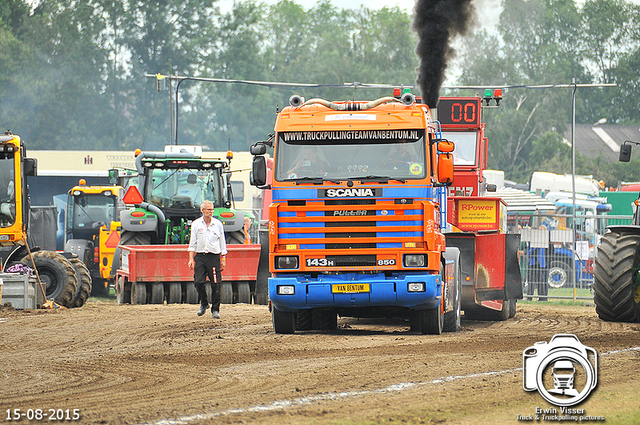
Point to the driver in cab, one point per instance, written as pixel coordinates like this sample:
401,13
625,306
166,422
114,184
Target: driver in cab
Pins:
310,163
401,157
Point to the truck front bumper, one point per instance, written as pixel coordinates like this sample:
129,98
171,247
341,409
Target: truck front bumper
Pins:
354,290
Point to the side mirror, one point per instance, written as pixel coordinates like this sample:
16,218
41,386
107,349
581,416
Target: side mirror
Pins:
30,167
445,146
625,152
259,171
258,148
445,169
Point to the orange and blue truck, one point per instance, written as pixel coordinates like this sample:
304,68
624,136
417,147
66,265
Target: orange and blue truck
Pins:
358,216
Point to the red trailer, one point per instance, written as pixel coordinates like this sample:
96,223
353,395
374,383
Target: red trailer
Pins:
151,274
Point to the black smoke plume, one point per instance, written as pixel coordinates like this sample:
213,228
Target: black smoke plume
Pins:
437,22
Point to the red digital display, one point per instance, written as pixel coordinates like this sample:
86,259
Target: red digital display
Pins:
462,111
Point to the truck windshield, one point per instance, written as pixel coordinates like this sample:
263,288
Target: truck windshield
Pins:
89,209
344,156
466,142
7,193
183,188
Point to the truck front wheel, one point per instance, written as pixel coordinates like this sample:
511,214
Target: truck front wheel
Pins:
284,322
617,284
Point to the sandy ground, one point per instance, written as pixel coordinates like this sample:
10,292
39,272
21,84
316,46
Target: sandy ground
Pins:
124,364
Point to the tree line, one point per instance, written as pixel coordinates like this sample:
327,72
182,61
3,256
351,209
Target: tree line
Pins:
73,73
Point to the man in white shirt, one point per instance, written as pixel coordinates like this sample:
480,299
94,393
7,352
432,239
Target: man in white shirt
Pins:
207,251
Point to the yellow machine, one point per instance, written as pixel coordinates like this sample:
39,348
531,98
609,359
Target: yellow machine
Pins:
59,275
92,230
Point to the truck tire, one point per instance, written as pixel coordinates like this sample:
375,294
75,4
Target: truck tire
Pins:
560,274
303,320
324,320
428,322
83,290
284,322
56,273
452,319
616,295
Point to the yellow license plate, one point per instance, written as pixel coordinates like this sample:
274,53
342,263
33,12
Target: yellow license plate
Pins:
349,288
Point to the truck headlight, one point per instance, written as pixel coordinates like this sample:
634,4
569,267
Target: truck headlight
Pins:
415,287
287,262
415,260
286,290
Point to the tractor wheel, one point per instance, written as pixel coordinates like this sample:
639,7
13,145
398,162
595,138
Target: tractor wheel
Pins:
84,283
234,238
56,273
484,313
616,285
284,322
452,318
244,293
134,238
175,293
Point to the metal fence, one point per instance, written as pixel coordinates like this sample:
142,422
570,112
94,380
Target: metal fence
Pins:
551,264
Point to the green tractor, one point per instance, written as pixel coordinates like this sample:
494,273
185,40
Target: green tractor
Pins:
171,187
617,275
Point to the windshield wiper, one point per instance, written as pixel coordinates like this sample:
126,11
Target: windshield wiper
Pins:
314,180
380,179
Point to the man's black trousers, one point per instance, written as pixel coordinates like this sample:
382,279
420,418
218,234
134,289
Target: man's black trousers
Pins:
208,265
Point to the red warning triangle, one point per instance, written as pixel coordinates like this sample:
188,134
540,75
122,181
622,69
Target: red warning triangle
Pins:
132,196
113,240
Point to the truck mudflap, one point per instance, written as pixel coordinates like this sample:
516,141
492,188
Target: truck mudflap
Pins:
354,290
489,266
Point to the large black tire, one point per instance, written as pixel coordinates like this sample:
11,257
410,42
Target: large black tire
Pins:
157,293
134,238
244,292
83,290
303,320
226,293
175,293
284,322
428,322
191,294
234,238
56,273
138,293
324,320
616,294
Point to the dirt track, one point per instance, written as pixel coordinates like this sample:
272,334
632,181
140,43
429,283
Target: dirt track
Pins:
143,364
